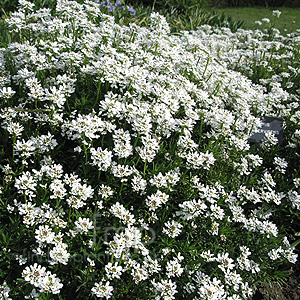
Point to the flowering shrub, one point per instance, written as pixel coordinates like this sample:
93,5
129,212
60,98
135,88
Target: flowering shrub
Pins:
127,171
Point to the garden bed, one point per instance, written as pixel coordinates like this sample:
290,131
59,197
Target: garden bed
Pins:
128,169
288,291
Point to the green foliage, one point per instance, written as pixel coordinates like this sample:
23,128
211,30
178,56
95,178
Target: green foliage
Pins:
191,19
8,6
222,20
197,17
183,6
5,36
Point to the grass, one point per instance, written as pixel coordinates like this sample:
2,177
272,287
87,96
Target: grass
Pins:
289,20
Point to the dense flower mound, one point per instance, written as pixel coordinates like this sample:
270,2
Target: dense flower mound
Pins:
126,162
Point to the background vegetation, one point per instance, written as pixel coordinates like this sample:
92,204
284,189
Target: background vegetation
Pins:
190,14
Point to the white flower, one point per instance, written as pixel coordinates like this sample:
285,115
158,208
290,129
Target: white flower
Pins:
55,96
165,288
226,263
197,160
91,262
268,180
294,197
83,225
158,23
174,268
82,191
296,182
44,234
139,273
58,189
105,191
42,279
24,148
59,254
269,140
276,13
34,274
211,289
121,170
159,181
101,158
217,212
151,265
144,110
245,251
119,211
50,283
246,290
26,184
290,255
156,200
26,5
208,256
21,260
191,209
4,291
33,295
112,106
165,251
122,242
280,164
172,228
138,183
103,289
75,202
113,271
14,128
6,92
214,228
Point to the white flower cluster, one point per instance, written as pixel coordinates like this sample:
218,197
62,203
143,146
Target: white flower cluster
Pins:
165,289
4,291
44,280
102,290
119,211
122,242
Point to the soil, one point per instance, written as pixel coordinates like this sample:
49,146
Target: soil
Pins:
290,291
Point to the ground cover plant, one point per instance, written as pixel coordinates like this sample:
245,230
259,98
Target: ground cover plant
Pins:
127,171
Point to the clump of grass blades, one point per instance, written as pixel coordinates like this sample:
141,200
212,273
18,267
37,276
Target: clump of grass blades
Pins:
189,19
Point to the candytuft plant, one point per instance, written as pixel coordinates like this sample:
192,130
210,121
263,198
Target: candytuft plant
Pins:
127,171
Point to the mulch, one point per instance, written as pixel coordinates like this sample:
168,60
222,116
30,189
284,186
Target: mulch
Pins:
275,291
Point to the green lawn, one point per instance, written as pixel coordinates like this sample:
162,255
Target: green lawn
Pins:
289,20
